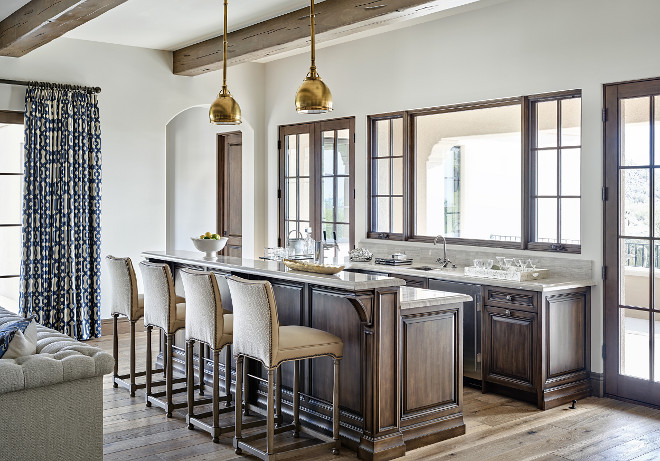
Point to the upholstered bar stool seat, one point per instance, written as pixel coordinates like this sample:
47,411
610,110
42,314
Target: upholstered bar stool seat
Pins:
258,335
163,310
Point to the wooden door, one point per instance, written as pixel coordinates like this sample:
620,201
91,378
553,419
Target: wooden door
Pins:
509,349
632,240
230,192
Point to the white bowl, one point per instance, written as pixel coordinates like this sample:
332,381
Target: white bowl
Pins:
209,246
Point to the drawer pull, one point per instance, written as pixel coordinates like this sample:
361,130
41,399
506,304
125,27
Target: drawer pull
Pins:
508,313
509,298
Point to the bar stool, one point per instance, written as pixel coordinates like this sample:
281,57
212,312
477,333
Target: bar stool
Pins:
258,335
124,300
208,324
161,310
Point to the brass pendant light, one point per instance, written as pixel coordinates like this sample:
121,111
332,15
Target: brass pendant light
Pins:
225,110
313,96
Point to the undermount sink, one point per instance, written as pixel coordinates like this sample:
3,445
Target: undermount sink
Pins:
424,268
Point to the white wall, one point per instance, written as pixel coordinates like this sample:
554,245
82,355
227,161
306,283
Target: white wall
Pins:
140,95
515,48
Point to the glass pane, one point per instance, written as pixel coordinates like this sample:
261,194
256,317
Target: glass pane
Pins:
382,176
546,172
291,230
657,139
10,250
381,214
9,293
459,156
634,275
328,152
656,204
634,343
656,348
291,158
304,199
292,198
634,202
546,124
635,131
11,148
328,204
570,220
343,239
303,139
343,196
571,122
570,172
382,138
397,136
343,150
397,215
397,176
11,203
328,228
546,220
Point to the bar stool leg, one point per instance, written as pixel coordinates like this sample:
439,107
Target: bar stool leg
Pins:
132,359
296,399
246,387
190,378
170,375
228,375
270,419
238,413
335,409
115,349
148,371
216,395
278,396
202,355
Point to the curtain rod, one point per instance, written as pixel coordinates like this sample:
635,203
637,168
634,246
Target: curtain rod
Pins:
23,83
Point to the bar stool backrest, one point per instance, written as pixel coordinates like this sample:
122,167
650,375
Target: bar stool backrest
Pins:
159,296
123,292
204,313
256,326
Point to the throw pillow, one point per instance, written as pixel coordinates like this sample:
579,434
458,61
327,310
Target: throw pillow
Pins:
18,338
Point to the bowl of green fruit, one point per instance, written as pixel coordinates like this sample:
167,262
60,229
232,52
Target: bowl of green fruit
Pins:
210,244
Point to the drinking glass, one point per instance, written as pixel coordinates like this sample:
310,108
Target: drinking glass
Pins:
488,264
531,263
507,263
500,261
478,263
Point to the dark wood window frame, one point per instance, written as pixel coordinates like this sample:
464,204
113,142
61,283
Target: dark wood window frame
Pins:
16,118
409,154
315,130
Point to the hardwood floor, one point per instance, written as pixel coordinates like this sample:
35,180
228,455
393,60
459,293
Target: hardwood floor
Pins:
498,428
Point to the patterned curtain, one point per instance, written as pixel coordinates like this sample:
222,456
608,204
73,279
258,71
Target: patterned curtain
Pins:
61,263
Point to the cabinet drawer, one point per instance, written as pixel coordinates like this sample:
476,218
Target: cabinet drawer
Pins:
512,299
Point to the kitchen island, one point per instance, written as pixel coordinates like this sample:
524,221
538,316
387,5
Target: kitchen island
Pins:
401,382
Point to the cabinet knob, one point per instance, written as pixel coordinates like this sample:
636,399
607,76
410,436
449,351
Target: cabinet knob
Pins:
507,312
509,298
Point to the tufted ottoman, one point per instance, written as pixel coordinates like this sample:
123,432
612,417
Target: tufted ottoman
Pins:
51,403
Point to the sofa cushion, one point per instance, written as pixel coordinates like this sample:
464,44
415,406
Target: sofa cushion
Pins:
13,341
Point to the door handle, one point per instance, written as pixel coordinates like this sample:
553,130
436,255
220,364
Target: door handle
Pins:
509,298
508,313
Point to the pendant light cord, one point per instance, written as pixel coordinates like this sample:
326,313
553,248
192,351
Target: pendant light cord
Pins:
224,58
312,69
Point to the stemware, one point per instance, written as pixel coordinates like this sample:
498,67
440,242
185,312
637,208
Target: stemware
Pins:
507,263
488,263
500,262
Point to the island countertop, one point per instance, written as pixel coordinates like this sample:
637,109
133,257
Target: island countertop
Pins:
412,297
352,281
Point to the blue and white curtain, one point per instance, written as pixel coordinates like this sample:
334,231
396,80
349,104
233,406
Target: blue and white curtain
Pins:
61,263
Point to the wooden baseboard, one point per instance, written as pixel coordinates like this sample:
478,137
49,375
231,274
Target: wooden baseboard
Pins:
597,384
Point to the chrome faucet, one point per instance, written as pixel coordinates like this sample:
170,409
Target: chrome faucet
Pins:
444,262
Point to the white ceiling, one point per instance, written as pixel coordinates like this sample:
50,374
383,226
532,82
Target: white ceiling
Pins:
7,7
172,24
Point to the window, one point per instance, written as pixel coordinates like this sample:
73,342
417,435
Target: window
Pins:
502,173
317,181
555,145
11,185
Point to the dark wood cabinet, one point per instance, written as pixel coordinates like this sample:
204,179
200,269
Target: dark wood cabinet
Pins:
537,343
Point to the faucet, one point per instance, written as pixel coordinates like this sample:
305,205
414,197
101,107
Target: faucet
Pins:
444,262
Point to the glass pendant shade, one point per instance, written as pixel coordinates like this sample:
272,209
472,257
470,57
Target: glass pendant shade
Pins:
313,96
225,110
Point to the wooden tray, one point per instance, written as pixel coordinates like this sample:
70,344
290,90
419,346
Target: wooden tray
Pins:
307,266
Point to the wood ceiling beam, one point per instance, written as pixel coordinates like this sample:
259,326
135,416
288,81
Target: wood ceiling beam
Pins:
334,19
41,21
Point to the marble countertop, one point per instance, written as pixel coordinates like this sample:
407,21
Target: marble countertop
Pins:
552,283
351,281
411,297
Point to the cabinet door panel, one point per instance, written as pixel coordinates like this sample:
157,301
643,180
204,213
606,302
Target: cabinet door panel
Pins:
566,333
510,346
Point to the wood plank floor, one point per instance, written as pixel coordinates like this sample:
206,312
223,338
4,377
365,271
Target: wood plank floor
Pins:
498,428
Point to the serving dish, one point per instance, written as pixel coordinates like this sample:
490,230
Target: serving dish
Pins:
307,266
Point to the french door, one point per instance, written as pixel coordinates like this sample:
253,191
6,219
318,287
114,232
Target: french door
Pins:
317,181
632,240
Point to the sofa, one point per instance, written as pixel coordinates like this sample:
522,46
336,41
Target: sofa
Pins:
51,403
